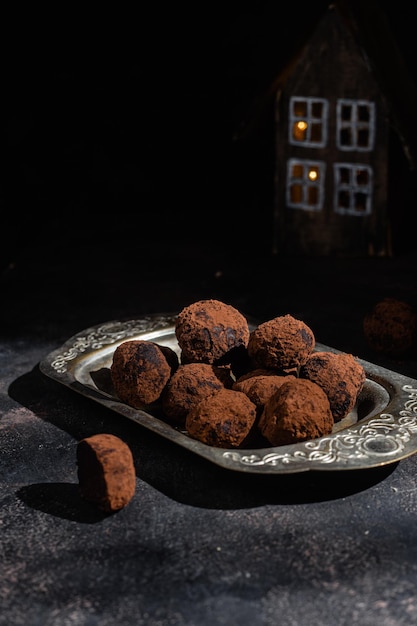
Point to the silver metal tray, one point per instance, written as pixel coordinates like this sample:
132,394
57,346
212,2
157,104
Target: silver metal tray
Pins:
382,428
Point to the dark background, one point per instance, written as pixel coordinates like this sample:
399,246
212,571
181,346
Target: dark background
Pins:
123,194
123,121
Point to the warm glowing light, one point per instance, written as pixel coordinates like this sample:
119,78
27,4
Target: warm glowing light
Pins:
299,130
313,174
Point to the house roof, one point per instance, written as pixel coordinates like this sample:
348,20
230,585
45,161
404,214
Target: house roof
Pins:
370,28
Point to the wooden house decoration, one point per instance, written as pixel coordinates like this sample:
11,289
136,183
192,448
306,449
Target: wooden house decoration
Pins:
334,113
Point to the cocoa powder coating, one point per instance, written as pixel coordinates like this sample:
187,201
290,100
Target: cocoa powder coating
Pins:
282,343
210,331
340,376
139,372
189,385
223,419
258,371
106,471
297,394
299,410
259,388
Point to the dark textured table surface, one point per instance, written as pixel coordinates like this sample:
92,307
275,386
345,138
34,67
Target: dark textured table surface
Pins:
198,544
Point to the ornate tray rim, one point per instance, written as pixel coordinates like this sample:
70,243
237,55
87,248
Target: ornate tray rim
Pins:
383,438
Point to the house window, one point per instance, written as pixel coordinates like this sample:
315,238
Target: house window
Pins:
355,125
308,122
305,184
353,189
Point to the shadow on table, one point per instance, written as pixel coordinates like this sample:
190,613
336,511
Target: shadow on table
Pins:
61,500
175,471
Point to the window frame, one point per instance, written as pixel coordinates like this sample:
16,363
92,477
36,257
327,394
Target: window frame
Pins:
310,119
305,184
355,124
351,188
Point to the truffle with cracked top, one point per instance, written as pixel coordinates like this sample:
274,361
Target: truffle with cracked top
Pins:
210,331
189,385
341,377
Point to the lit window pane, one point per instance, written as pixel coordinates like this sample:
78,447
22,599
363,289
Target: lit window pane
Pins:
296,194
300,108
313,196
305,183
297,171
313,174
299,130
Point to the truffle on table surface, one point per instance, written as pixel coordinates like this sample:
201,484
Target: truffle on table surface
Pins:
106,471
282,343
298,411
189,385
139,372
390,327
341,377
223,419
210,331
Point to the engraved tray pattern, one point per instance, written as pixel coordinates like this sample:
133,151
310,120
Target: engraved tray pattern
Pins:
383,429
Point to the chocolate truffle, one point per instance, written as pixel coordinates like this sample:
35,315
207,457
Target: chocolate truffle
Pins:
298,411
189,385
139,372
391,327
223,419
170,355
258,371
259,388
282,343
340,376
106,471
210,331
